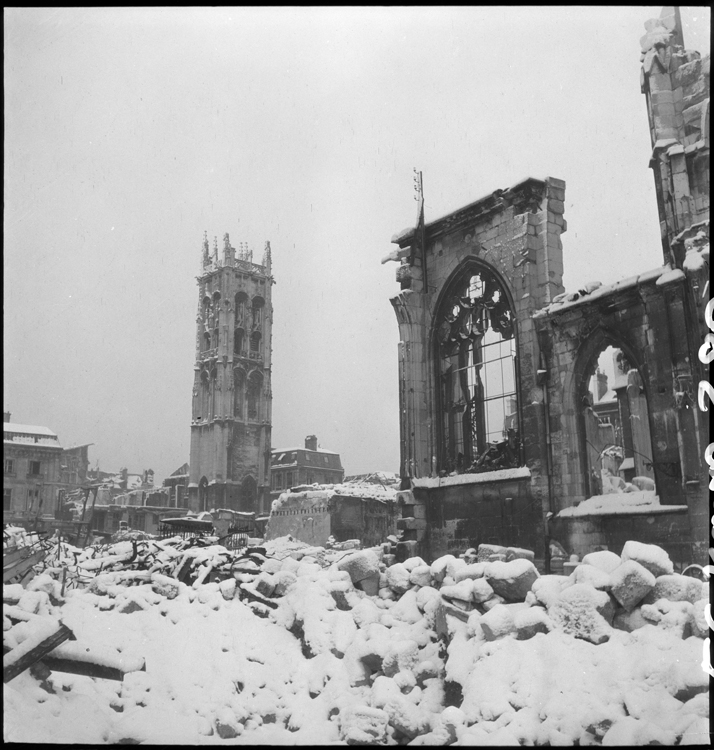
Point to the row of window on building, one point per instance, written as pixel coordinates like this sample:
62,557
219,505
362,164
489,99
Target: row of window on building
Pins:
34,468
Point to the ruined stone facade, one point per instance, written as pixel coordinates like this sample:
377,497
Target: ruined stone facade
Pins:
497,364
231,414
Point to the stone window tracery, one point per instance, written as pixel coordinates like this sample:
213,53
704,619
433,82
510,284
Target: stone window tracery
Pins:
476,371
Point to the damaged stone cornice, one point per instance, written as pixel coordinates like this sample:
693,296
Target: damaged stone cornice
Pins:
524,196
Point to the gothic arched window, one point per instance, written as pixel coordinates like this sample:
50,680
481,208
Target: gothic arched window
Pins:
615,424
214,393
255,341
205,394
253,395
238,336
258,304
476,373
240,299
238,386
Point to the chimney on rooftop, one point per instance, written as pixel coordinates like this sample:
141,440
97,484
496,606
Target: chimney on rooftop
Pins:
311,442
6,416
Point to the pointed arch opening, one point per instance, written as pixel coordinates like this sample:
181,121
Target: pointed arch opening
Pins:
253,389
238,393
615,424
476,373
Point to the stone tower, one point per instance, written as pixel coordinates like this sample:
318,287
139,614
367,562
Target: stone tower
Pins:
232,397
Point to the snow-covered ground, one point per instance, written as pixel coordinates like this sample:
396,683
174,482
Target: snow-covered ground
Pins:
286,648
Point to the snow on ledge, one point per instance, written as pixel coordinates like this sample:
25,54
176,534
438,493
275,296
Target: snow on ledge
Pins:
523,472
644,502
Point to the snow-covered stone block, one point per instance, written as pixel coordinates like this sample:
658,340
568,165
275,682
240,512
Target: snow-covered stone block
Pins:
630,583
672,616
283,579
11,592
518,553
531,621
473,571
228,588
406,718
265,584
406,608
365,612
338,591
547,588
676,588
369,584
481,590
698,619
363,725
453,567
400,655
271,565
629,621
487,551
511,580
579,611
165,586
596,577
405,680
492,602
438,567
398,578
386,593
603,560
650,556
459,591
497,622
425,670
360,565
290,563
426,594
413,562
420,576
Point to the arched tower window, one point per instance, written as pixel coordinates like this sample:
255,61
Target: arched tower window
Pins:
615,423
255,382
205,395
240,302
214,393
258,305
238,388
255,341
475,352
238,337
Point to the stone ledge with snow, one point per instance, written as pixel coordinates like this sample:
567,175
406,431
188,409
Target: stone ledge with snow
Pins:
640,502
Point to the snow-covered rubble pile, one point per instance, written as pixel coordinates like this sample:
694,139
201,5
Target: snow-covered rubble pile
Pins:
306,645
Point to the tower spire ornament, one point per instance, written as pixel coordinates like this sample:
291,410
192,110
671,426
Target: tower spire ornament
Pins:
267,259
206,256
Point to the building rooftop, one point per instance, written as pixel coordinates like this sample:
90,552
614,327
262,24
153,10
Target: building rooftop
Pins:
28,429
302,448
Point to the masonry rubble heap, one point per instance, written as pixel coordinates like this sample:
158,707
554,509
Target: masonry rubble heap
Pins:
476,649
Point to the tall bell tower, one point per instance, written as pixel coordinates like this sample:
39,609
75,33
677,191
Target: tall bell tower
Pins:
232,397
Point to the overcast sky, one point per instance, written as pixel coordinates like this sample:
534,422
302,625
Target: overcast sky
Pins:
128,132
